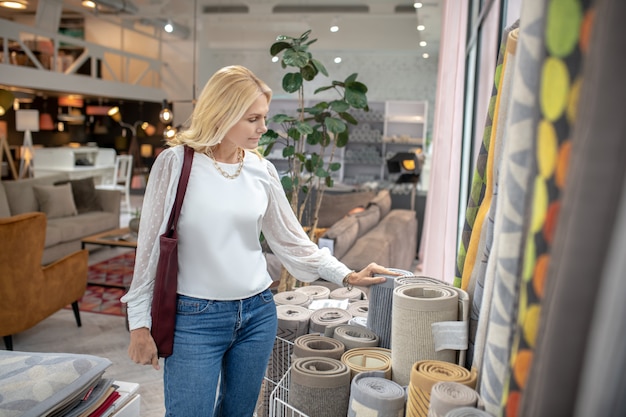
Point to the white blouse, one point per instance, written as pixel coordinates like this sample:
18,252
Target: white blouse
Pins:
219,251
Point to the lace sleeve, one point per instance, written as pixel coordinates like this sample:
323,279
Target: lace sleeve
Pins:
302,258
157,203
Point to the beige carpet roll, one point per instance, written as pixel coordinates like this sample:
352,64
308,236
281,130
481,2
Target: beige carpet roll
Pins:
327,317
445,396
342,293
320,387
293,321
353,336
416,307
359,308
314,292
293,298
468,412
311,345
368,359
424,375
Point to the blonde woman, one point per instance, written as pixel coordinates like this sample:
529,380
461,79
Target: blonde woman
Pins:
226,318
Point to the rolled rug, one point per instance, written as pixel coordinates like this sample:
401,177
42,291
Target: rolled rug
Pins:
424,375
353,336
327,317
293,298
418,279
359,308
343,293
373,395
293,321
359,321
319,387
311,345
445,396
368,360
314,292
468,412
380,301
416,307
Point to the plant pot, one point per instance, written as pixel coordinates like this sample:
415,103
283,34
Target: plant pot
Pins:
133,225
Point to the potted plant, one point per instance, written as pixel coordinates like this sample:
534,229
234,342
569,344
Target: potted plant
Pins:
311,137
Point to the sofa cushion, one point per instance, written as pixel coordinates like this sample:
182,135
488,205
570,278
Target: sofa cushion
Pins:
383,201
367,219
55,201
20,193
335,206
343,234
84,192
77,227
5,210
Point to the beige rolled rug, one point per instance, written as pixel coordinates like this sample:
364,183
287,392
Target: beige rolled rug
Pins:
320,387
424,375
316,345
292,298
343,293
416,307
418,279
315,292
354,336
368,359
359,308
327,317
445,396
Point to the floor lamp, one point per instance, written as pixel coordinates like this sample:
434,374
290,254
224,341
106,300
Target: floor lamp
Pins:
27,121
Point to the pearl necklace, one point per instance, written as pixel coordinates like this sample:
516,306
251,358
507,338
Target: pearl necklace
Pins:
225,174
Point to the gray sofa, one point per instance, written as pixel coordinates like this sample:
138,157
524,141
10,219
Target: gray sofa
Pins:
74,209
362,227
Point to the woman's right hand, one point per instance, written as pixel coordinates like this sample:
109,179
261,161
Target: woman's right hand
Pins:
142,349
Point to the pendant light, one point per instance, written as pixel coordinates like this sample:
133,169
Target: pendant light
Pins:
166,114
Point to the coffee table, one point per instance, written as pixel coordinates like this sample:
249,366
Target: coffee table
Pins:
121,237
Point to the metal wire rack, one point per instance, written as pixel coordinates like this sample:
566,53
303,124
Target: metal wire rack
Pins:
274,396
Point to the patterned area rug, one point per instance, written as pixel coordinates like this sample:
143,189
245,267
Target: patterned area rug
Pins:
106,284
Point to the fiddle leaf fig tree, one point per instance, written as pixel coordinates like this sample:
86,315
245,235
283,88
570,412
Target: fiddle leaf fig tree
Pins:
311,137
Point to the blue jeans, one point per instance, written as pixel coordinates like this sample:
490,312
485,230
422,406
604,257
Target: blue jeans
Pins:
225,342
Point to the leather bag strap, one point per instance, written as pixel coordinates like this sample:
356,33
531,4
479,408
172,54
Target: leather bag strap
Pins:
182,188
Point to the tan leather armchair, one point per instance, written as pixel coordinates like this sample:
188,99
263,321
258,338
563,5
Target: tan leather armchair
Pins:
29,292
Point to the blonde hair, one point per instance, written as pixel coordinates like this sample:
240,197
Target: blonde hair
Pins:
224,100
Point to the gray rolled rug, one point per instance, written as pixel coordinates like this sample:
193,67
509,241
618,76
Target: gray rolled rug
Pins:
446,396
319,387
354,336
368,360
316,345
327,317
416,307
315,292
293,321
294,298
468,412
380,301
373,395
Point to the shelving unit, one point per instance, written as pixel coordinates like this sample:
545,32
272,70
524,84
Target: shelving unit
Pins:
389,127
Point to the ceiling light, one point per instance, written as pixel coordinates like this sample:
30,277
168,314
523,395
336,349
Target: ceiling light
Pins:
423,43
16,4
89,4
417,5
338,60
421,27
169,28
275,58
334,28
425,55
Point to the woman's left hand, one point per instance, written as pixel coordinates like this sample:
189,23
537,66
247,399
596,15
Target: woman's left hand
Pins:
369,275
